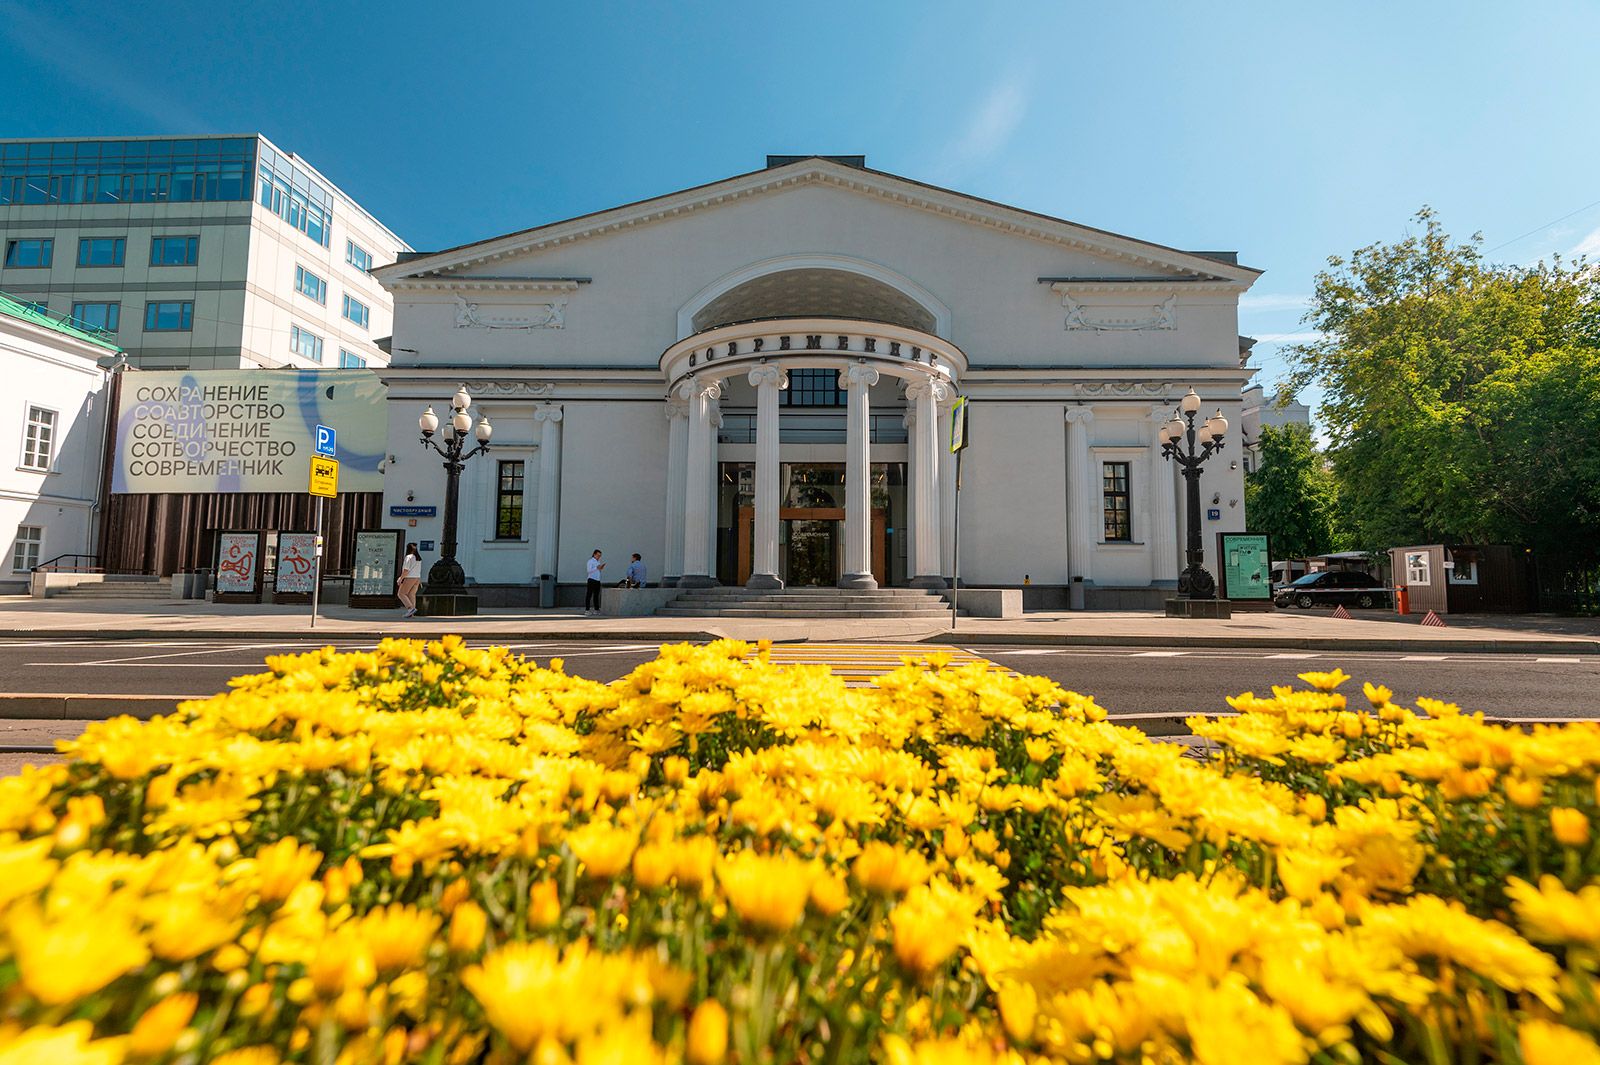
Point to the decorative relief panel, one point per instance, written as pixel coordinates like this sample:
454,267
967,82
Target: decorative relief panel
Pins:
1163,315
550,315
480,389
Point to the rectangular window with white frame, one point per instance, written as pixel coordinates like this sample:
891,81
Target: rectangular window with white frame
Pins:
357,256
349,360
305,343
39,438
26,549
308,284
357,312
1117,502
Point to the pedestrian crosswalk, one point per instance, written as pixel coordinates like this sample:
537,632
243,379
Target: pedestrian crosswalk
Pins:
858,663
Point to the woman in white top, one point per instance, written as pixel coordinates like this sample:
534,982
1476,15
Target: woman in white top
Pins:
410,580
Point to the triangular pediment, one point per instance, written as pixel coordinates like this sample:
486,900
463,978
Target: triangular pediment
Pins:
1138,257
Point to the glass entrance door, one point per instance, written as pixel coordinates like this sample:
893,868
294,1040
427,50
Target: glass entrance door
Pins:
809,552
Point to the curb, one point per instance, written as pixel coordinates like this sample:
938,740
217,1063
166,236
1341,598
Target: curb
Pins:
1292,643
57,706
954,637
110,635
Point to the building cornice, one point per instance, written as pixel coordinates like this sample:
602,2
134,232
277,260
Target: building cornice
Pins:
818,171
446,284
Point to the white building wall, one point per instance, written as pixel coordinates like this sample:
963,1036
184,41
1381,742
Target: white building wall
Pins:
59,373
642,275
1027,368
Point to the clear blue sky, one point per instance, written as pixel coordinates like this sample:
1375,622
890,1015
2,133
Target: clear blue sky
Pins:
1288,132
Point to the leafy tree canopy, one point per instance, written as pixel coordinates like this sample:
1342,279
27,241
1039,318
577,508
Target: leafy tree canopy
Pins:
1462,398
1291,495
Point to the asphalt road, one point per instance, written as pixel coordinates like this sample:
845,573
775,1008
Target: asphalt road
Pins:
1124,680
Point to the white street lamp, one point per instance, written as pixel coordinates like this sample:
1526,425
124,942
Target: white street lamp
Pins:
429,422
1190,402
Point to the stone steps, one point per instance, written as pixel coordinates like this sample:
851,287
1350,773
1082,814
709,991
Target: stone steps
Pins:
845,603
118,587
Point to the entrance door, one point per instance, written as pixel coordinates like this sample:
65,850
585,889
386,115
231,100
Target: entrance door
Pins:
809,550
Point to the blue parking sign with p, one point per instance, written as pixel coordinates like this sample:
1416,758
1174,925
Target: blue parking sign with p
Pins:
326,438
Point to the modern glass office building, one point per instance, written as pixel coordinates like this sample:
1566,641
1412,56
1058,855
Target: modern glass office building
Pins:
202,252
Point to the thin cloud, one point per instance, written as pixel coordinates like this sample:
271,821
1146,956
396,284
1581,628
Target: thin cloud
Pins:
69,53
991,126
1252,302
1288,338
1589,245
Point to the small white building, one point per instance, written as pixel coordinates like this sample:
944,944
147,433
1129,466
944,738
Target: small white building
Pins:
1260,409
55,421
704,377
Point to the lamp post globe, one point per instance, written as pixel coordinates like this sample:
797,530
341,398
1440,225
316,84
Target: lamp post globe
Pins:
446,577
1190,445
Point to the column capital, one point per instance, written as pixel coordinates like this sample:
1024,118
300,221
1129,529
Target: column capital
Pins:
547,412
693,388
677,408
1161,413
930,387
858,376
769,374
1075,415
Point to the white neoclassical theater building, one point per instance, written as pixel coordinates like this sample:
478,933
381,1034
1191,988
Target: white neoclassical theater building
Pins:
750,383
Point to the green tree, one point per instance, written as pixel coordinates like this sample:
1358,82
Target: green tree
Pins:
1291,495
1462,399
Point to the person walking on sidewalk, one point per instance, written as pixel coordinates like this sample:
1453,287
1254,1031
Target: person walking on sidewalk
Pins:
591,598
410,580
635,577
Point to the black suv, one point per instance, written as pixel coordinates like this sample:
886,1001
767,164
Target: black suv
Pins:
1331,587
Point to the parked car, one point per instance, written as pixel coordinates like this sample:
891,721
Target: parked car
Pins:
1332,587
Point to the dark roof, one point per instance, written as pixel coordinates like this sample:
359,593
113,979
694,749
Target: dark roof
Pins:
1217,256
857,161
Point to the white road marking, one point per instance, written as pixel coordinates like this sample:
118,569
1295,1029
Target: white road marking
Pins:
1296,655
1158,654
1422,658
1565,659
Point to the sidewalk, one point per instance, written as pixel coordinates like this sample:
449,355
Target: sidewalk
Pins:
1367,631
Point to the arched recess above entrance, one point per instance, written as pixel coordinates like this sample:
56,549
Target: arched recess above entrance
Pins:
824,286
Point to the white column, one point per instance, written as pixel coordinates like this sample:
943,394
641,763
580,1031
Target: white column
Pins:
926,396
909,419
858,478
677,476
547,525
947,500
713,489
769,381
1163,536
698,484
1083,489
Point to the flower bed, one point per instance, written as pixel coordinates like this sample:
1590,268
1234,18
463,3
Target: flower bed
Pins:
438,854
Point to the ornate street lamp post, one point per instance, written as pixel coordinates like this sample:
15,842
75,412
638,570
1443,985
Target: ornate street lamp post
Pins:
445,591
1189,446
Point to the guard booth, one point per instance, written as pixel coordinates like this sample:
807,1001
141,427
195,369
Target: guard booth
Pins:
1486,579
